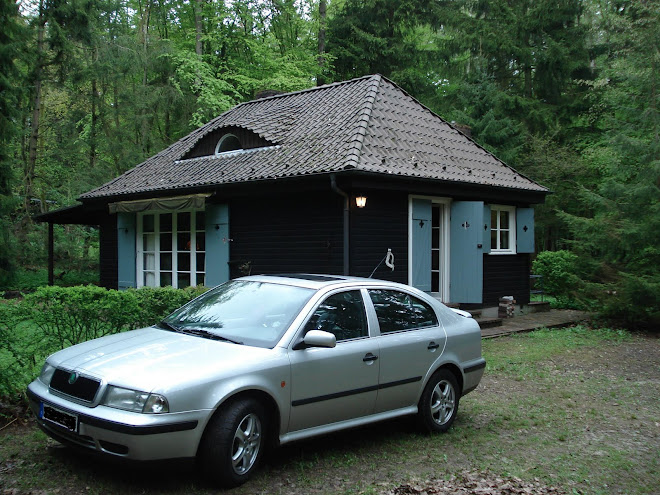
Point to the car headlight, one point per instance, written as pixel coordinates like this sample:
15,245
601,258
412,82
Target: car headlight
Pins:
46,374
135,401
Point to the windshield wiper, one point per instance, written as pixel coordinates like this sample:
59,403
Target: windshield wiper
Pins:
200,332
168,326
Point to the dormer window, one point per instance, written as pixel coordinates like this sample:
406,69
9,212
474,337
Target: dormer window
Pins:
227,143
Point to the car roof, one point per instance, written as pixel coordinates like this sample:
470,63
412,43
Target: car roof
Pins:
313,280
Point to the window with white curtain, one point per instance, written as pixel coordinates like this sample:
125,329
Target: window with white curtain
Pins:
171,249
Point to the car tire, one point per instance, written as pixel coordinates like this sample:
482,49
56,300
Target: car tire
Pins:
233,443
439,402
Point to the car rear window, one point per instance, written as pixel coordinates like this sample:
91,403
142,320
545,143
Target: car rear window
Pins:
398,311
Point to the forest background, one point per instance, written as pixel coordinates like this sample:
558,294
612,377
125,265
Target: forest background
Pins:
565,91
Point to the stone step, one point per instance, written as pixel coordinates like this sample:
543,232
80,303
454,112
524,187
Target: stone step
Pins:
476,313
538,306
489,322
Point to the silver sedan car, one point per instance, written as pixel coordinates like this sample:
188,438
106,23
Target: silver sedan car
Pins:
260,361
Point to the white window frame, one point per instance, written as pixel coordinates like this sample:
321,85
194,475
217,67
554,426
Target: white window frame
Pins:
512,229
222,140
194,229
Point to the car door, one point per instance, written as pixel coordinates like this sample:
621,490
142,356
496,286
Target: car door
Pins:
411,340
332,385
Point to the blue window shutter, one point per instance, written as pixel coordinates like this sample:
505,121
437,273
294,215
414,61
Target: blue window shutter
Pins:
486,229
466,252
525,230
217,244
126,250
421,244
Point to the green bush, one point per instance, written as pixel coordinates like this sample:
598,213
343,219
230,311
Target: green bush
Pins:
157,302
69,315
558,269
632,301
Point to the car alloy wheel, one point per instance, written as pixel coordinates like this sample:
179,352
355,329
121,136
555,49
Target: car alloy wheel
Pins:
438,404
246,444
443,402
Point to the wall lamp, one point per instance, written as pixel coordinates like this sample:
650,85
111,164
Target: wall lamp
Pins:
361,201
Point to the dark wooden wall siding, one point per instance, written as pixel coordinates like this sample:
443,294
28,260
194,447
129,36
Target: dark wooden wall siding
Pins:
293,233
506,275
382,224
206,146
108,253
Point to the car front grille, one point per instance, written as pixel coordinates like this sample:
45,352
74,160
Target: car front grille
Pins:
82,388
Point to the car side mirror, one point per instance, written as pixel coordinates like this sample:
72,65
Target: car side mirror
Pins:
317,338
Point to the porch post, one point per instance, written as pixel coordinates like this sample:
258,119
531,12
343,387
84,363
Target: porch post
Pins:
51,262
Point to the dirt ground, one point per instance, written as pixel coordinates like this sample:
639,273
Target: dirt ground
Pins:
585,421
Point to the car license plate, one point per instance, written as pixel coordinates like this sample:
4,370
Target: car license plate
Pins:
61,418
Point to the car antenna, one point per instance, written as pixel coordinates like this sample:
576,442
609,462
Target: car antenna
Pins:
389,262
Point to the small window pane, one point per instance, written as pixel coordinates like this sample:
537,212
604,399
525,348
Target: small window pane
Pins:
183,280
183,221
435,238
149,279
183,261
166,242
149,242
147,223
165,279
200,279
166,261
493,219
200,262
435,260
166,222
149,261
200,220
183,242
201,241
504,239
493,239
504,219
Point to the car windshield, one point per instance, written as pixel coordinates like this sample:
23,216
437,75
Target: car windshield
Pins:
243,312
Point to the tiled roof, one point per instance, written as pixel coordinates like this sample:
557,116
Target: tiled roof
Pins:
367,124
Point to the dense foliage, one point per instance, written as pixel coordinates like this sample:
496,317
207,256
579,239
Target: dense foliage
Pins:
566,92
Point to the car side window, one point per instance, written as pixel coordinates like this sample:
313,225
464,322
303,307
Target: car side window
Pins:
341,314
399,311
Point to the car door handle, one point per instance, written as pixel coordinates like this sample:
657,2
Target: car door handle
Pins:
369,357
432,345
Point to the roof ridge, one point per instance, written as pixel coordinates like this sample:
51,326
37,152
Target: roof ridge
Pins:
354,152
306,90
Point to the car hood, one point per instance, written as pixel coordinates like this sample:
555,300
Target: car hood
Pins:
150,357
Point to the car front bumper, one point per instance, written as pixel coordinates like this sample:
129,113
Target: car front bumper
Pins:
136,436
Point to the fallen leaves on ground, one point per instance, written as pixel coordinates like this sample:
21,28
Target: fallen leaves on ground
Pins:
476,484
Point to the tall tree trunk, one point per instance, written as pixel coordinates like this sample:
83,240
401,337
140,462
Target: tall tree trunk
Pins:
320,80
144,124
198,27
30,166
92,130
